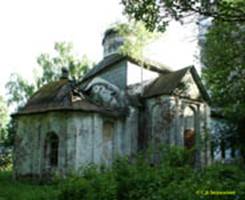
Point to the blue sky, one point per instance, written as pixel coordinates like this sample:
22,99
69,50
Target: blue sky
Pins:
31,27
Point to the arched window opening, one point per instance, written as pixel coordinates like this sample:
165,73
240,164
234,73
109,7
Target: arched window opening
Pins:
54,146
52,149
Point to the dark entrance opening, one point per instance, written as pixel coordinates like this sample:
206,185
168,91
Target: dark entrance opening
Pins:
52,150
189,138
54,146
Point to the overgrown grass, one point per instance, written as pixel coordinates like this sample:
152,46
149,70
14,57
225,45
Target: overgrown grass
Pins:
173,178
24,190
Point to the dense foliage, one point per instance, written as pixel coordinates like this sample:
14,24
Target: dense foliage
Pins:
136,38
5,159
222,54
3,119
224,72
224,61
156,14
173,178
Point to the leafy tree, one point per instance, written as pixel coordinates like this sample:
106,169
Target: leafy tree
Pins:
157,13
223,53
51,66
3,119
223,56
19,89
136,38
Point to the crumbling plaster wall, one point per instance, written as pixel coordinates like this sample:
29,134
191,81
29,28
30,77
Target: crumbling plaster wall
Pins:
165,123
81,140
30,142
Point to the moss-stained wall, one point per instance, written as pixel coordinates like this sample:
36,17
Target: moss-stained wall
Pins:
32,131
81,141
167,120
116,74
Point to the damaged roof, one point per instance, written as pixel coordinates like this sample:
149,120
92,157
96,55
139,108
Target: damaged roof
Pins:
59,96
166,83
63,95
115,58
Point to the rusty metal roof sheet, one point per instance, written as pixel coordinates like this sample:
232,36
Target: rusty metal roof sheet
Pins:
57,96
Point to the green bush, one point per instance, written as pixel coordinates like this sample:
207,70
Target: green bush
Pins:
5,161
172,178
91,185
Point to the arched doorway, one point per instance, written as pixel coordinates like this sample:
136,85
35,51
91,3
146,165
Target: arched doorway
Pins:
189,138
189,128
189,133
52,150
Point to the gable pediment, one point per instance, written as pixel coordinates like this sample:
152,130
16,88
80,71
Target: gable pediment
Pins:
187,88
191,87
184,83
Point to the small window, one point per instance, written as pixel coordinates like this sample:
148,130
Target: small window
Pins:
108,129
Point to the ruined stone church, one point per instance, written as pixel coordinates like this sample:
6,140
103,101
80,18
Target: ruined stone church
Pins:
120,107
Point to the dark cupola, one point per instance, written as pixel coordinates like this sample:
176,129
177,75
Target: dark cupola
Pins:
112,42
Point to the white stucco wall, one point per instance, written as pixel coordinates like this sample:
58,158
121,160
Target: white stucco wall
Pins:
81,140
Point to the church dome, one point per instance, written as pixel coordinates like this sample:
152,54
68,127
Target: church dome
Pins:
112,42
